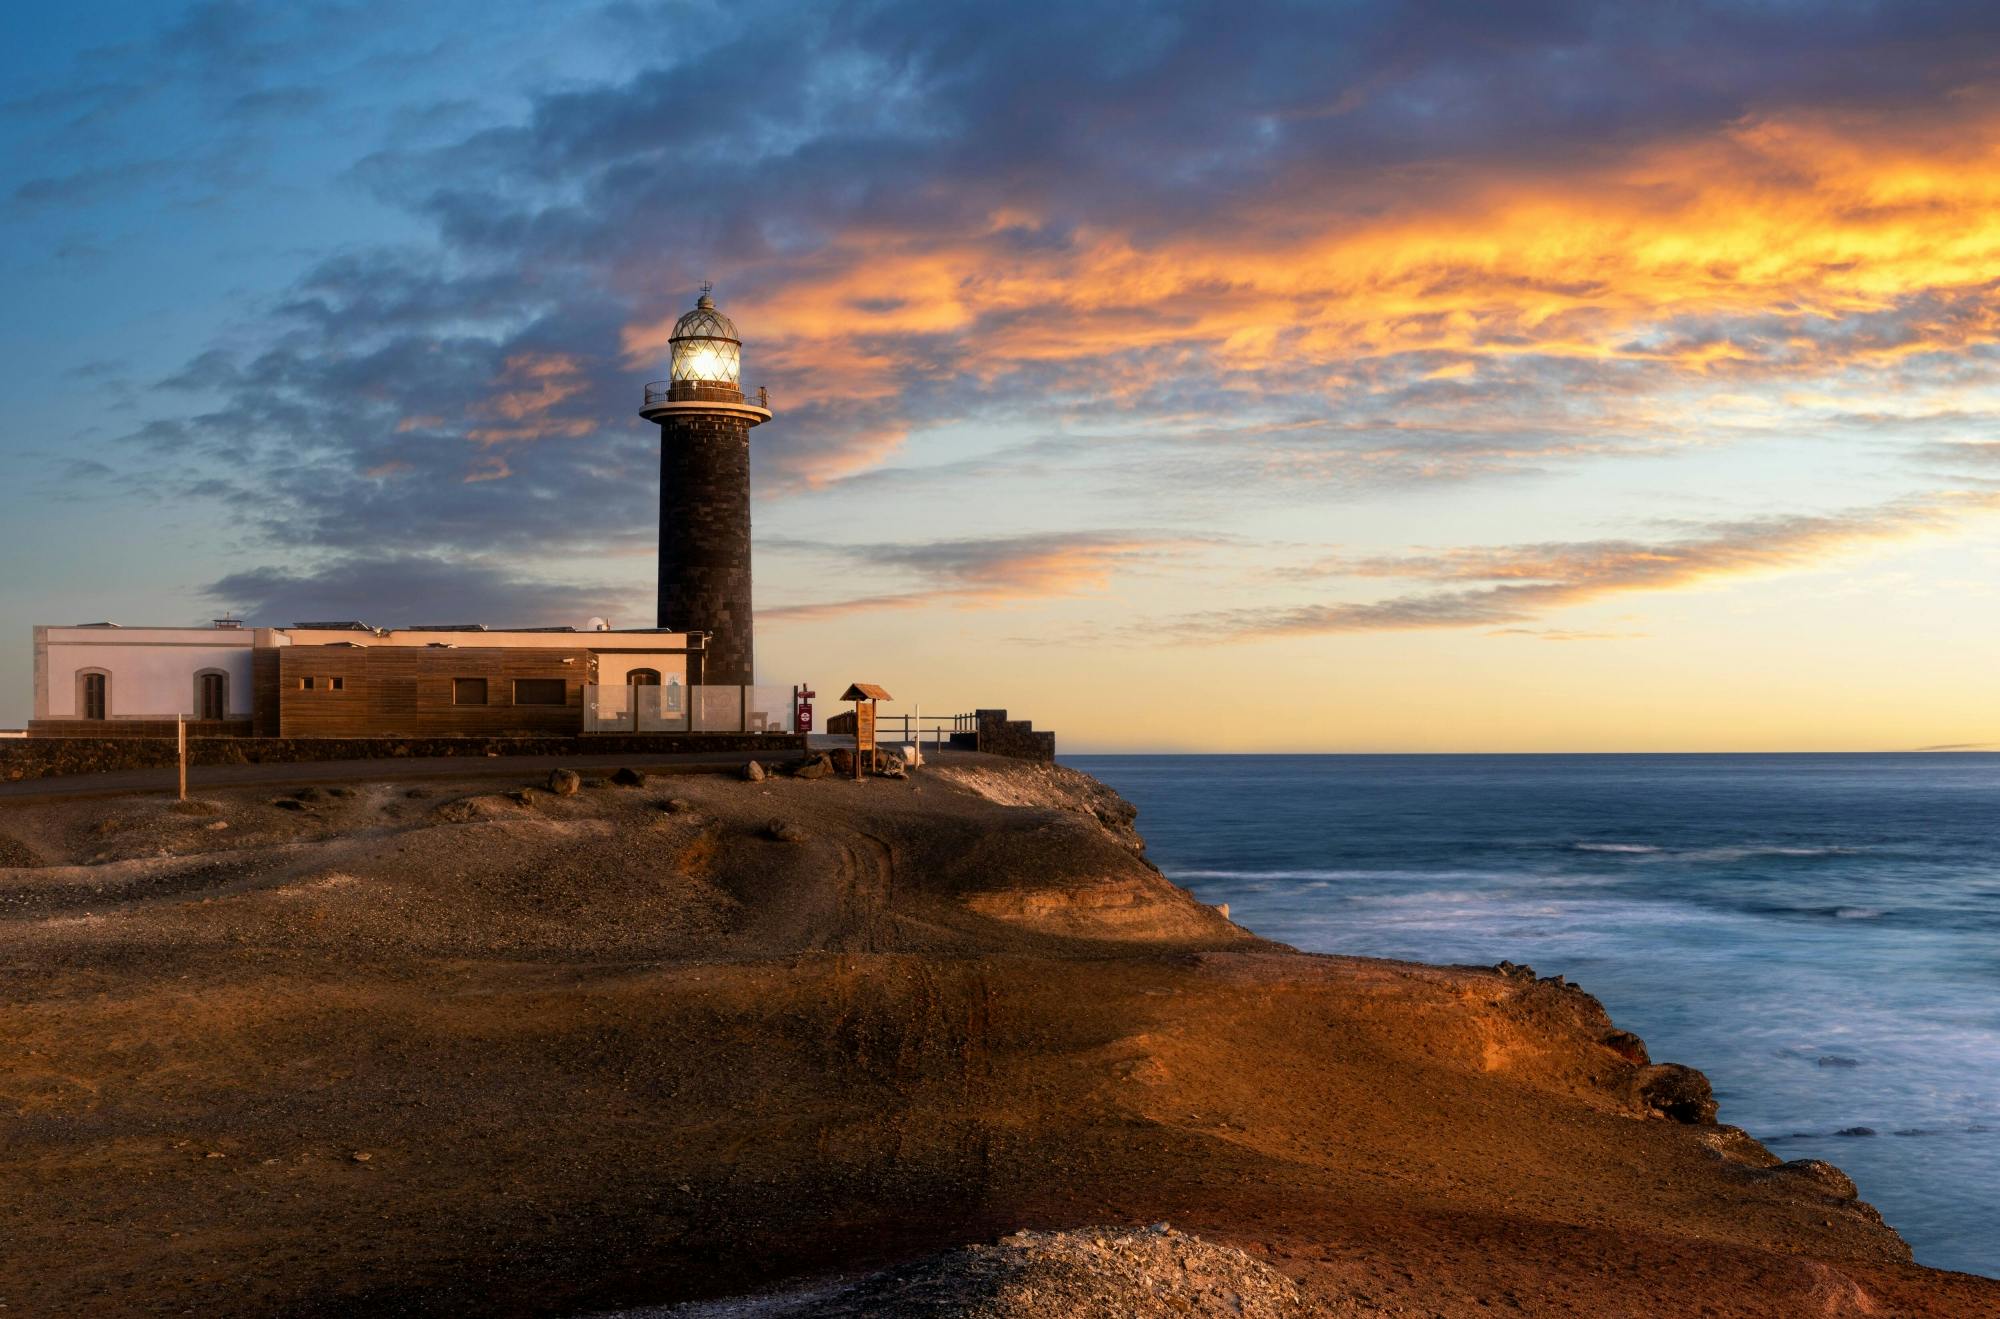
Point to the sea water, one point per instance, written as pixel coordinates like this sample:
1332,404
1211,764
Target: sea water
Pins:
1820,934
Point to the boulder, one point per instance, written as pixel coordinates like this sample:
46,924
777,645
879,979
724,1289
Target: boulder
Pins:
565,782
893,766
627,777
289,804
1627,1046
784,831
1676,1092
340,792
753,772
677,806
306,794
814,767
843,762
1819,1174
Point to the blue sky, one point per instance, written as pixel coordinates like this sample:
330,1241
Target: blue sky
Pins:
1438,376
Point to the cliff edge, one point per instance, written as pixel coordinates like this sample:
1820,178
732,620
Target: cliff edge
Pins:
484,1048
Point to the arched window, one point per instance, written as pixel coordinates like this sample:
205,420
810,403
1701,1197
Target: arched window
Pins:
211,694
643,677
93,694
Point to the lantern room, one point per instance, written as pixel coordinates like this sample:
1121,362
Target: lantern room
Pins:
705,348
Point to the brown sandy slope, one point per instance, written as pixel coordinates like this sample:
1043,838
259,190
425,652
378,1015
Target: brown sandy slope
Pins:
453,1054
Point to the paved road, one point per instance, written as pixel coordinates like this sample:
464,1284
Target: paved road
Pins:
348,771
395,770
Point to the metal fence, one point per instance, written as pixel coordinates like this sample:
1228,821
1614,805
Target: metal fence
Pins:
674,708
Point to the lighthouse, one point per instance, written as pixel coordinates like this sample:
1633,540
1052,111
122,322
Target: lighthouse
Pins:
705,422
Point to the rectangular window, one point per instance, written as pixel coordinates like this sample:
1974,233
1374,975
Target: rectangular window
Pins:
305,684
340,684
468,691
541,691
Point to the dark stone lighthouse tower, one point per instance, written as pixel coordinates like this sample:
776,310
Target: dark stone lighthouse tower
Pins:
705,426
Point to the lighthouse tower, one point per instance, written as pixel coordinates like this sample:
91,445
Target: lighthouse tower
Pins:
705,423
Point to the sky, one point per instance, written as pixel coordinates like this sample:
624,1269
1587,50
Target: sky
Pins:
1357,376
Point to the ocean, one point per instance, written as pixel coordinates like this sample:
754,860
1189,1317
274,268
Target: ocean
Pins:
1820,934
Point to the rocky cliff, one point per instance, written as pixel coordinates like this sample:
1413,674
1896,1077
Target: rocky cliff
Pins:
481,1048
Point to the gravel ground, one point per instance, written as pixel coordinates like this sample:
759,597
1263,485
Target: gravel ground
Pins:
1087,1273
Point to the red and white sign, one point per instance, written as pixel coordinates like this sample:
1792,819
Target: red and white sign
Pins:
803,714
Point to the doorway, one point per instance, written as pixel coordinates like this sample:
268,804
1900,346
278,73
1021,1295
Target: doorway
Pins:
211,696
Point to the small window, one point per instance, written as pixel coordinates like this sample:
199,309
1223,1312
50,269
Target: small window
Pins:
339,684
541,691
468,691
305,684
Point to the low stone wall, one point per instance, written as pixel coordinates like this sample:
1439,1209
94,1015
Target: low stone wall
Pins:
1001,736
49,757
107,728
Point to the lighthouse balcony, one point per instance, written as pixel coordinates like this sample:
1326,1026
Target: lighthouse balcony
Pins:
664,397
703,391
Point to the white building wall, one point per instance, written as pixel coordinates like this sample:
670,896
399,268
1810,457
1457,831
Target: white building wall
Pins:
152,670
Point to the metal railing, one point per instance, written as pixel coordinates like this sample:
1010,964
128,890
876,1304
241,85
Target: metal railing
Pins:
659,391
923,731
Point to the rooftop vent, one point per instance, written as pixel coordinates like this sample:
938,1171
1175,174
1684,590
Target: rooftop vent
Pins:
228,624
344,625
97,625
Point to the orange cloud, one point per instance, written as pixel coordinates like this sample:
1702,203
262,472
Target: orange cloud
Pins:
1793,246
530,387
982,574
1519,583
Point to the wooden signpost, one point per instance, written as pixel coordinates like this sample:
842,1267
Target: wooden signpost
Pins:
181,734
864,695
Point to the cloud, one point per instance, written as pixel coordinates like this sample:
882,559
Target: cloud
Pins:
1516,584
984,574
400,589
1266,249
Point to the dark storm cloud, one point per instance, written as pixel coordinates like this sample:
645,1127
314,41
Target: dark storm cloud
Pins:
877,179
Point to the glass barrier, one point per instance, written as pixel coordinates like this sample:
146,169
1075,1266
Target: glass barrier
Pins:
673,708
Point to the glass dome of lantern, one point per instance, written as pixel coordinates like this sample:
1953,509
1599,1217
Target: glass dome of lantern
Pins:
704,348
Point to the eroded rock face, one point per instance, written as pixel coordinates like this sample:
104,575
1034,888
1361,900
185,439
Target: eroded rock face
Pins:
753,773
1821,1175
1676,1092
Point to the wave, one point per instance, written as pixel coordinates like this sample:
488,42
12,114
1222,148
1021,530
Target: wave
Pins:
1732,852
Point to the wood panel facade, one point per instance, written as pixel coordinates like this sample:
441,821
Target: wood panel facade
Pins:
403,691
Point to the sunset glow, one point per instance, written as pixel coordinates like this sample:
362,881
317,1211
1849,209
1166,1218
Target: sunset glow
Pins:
1319,408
